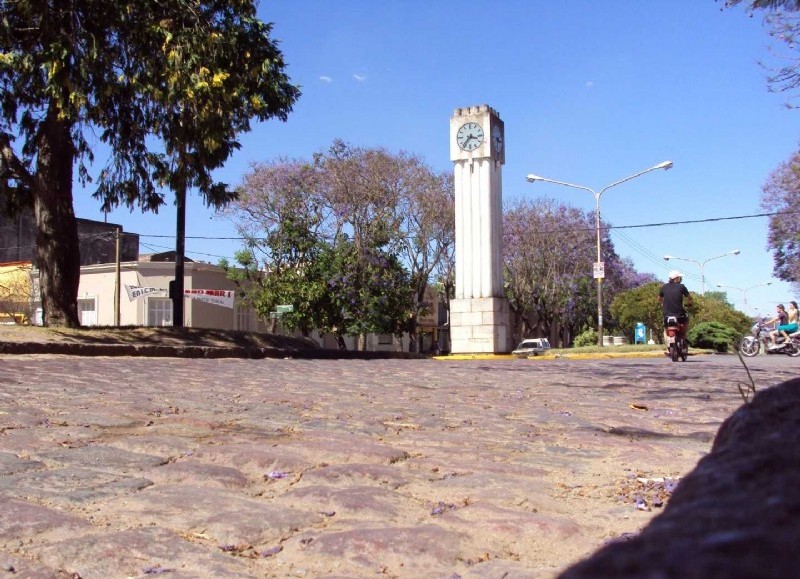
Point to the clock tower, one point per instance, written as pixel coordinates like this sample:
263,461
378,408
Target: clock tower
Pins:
480,317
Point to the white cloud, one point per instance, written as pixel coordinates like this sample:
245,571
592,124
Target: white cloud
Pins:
360,77
326,79
590,84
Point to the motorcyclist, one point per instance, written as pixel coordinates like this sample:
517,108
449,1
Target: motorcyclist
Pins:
671,297
781,319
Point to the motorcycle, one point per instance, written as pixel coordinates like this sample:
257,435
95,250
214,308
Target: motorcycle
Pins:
677,346
751,345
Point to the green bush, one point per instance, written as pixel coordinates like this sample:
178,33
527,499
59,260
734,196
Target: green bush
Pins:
712,335
587,338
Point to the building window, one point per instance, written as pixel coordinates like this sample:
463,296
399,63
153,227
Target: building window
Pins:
87,311
159,311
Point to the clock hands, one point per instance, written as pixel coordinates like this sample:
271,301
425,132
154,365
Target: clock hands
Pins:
470,136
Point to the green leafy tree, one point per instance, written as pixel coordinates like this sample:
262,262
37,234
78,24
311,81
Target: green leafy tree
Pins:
719,296
395,201
294,277
280,215
189,76
639,305
369,290
711,309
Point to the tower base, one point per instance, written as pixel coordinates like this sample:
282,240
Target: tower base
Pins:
480,326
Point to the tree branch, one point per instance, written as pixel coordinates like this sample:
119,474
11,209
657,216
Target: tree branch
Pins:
10,165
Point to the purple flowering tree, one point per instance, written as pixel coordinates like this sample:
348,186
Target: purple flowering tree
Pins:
781,196
549,249
351,238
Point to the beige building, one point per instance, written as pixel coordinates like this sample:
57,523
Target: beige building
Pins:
140,291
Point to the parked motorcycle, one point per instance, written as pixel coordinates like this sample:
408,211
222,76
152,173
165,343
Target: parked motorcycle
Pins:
759,338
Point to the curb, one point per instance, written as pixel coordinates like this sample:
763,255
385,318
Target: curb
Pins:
208,352
594,356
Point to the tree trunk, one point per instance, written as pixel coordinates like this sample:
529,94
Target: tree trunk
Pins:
413,335
57,247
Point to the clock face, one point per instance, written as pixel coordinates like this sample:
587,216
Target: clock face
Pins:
469,136
497,139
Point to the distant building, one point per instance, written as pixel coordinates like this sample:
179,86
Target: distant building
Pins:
96,238
151,305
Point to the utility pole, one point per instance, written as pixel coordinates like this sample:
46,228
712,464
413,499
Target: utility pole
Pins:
180,250
117,239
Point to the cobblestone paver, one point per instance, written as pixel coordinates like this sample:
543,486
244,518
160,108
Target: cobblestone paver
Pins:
131,467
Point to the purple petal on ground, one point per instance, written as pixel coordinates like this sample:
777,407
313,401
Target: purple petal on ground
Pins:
272,551
156,570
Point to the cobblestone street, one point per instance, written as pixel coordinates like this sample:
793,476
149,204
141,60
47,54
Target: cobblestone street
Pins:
115,467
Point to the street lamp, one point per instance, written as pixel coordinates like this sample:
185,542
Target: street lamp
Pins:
744,292
598,266
702,264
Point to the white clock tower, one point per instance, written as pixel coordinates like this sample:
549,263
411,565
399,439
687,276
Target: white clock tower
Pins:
480,318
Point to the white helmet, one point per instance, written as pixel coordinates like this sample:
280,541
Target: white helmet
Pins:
674,273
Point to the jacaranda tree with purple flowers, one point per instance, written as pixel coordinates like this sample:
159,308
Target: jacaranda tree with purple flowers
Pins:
549,249
397,203
350,238
781,196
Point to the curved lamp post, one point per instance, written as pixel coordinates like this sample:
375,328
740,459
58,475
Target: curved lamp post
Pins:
744,291
702,264
599,265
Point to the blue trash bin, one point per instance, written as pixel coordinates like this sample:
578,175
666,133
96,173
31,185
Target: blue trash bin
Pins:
640,334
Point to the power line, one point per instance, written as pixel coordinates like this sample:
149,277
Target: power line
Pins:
708,220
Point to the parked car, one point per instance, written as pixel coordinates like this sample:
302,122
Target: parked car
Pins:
532,347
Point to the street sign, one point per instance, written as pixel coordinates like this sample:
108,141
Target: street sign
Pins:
599,270
284,309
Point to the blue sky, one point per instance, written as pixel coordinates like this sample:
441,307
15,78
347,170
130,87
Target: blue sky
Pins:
590,93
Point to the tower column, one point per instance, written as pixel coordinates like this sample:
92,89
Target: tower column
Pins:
480,314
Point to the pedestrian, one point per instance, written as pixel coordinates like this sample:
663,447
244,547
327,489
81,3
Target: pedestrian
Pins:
671,297
781,318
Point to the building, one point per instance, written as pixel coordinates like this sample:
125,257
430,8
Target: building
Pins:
98,243
17,305
139,290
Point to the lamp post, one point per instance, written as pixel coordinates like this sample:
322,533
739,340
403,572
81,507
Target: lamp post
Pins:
744,291
702,264
598,266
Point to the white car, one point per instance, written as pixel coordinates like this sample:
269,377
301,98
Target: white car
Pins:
532,347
